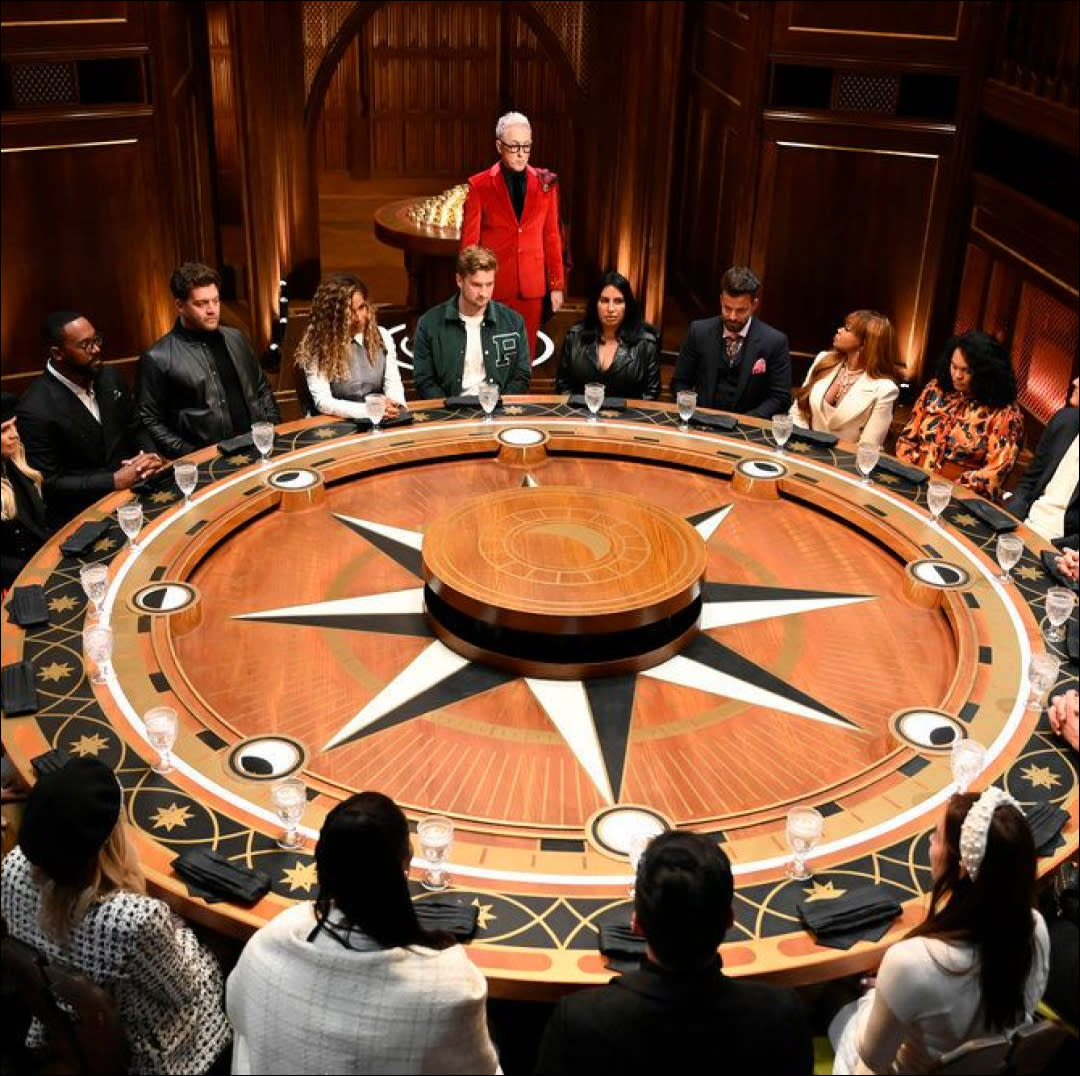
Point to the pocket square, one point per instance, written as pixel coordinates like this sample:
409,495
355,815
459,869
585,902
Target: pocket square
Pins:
759,366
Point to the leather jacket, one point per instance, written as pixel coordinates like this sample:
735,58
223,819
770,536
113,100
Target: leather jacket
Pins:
181,399
633,373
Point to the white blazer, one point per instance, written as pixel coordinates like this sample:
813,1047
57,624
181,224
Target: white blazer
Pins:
864,414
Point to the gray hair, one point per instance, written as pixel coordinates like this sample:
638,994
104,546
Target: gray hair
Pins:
511,119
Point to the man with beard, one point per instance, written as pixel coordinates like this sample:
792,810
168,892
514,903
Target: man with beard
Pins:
78,422
735,362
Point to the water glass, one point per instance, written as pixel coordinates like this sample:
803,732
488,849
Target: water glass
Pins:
488,395
95,581
866,459
1042,675
781,431
375,403
938,495
686,402
98,648
130,518
594,398
161,728
435,834
262,433
805,826
289,797
968,759
1009,551
1059,607
187,478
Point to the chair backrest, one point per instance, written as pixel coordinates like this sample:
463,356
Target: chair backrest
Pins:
1034,1046
977,1057
82,1025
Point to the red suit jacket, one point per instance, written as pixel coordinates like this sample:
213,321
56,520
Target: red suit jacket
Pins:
529,250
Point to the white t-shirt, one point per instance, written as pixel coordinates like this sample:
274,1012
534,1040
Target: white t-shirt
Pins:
1046,517
474,374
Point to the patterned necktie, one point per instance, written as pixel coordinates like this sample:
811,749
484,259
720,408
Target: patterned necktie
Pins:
732,345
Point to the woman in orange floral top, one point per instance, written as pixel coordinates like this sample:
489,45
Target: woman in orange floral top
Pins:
965,425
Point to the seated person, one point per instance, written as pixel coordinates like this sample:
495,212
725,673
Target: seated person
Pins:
850,390
352,982
344,353
79,423
1047,498
965,425
471,338
679,1013
22,519
612,346
201,382
73,889
976,965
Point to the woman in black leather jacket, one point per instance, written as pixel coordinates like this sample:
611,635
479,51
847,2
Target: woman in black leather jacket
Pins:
612,345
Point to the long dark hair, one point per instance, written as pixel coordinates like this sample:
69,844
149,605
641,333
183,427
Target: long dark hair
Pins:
993,382
993,912
631,327
361,858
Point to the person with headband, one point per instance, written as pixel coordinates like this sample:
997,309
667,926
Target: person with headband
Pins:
976,965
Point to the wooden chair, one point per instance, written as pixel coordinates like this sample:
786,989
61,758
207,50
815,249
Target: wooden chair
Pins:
1034,1046
985,1056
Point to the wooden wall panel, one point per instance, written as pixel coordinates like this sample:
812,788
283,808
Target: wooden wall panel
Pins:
41,25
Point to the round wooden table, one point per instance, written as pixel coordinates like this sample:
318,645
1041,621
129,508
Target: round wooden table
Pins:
430,252
557,633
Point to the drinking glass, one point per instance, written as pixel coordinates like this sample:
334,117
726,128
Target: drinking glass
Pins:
1042,675
781,431
95,580
489,399
938,495
866,459
130,518
1009,551
161,727
262,433
968,759
1059,607
376,409
98,647
805,826
594,398
187,478
289,797
435,833
686,401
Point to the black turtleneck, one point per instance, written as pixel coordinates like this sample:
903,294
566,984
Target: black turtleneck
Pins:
515,184
235,401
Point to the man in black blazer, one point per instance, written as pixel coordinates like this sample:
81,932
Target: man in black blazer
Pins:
78,422
679,1013
735,362
1056,514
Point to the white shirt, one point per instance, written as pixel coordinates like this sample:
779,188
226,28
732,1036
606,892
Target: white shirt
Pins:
85,396
474,373
322,393
1046,517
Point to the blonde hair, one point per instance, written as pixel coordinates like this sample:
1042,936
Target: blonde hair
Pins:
115,869
8,507
476,259
324,348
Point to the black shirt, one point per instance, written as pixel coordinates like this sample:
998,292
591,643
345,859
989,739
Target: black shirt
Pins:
515,184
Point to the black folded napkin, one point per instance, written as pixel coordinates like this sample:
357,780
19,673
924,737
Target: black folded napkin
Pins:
456,917
611,403
862,914
1046,822
997,520
462,401
242,442
18,692
1049,561
402,418
84,536
27,606
915,475
714,422
214,878
813,437
51,761
621,946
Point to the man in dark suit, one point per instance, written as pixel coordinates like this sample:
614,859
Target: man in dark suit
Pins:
679,1013
736,362
78,422
1047,498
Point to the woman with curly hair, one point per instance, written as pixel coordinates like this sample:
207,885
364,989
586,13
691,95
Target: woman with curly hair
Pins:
965,425
976,965
344,354
850,390
24,527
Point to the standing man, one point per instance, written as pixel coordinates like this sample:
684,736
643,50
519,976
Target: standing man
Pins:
471,339
736,362
513,210
201,382
78,422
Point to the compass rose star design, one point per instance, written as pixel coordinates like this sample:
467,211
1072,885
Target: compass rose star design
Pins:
823,891
89,746
1040,776
592,715
300,876
171,817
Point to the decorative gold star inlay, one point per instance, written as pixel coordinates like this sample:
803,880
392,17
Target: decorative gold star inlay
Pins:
103,545
89,745
484,914
800,447
63,605
325,433
886,479
1040,776
55,671
302,876
514,409
239,459
163,496
174,816
964,519
420,416
1028,572
818,891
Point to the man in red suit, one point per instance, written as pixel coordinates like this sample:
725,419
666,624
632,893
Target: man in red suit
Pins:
513,210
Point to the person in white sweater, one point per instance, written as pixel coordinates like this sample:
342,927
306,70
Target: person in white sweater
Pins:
352,983
977,964
850,391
